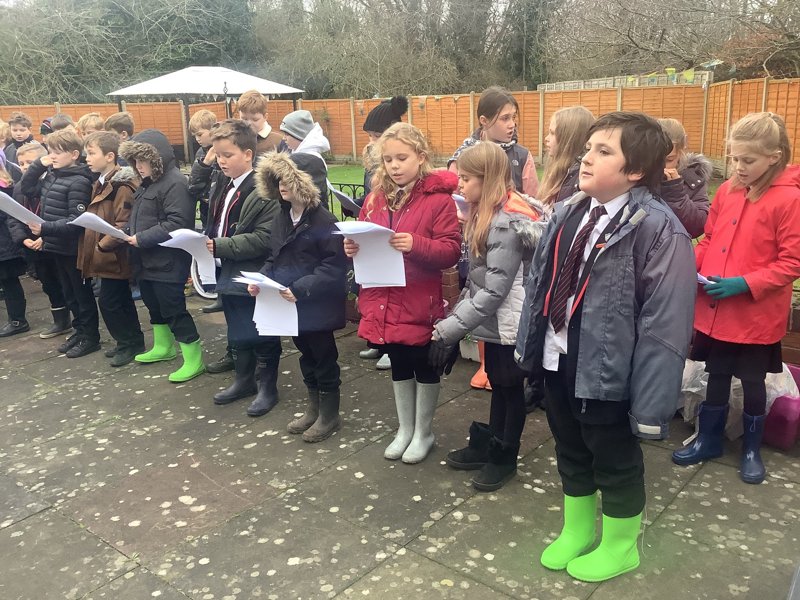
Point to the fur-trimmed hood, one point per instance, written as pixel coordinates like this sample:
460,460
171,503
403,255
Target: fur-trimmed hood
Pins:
125,175
440,180
527,217
700,165
151,146
277,167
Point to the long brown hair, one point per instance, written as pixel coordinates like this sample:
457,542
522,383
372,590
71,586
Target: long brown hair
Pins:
675,131
572,131
381,181
489,163
766,134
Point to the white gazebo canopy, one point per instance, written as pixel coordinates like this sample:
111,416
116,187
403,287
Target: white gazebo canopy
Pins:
205,81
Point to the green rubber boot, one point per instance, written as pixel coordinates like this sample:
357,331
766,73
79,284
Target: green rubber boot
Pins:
577,534
163,346
616,554
192,363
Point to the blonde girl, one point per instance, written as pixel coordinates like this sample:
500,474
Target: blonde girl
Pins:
415,201
501,231
565,143
751,255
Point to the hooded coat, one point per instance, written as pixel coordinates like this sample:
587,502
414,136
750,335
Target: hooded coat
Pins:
491,303
308,158
161,204
687,196
405,315
759,241
307,258
102,255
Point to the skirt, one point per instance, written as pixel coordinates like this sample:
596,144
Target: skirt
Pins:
750,362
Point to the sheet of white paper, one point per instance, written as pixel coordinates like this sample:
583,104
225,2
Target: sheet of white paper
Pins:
195,244
703,280
376,264
461,204
95,223
11,207
273,315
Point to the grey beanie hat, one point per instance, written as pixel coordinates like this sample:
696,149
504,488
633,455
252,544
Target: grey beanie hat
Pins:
298,124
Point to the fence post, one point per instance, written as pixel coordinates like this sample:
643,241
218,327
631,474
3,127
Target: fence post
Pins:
705,119
619,98
764,94
122,105
353,126
728,117
471,112
57,107
541,126
185,129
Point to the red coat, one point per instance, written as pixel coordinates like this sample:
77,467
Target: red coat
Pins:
405,315
761,242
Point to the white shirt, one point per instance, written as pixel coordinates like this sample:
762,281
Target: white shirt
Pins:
221,227
555,344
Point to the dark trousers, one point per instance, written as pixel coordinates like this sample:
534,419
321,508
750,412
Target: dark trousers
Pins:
119,313
44,263
595,447
411,362
79,298
507,413
166,304
15,298
318,360
242,332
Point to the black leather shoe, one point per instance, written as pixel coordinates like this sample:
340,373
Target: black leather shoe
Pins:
111,352
125,355
14,327
69,343
222,365
82,348
215,307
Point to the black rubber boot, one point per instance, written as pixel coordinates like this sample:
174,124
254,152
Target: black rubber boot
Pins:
244,363
125,354
61,323
328,422
476,454
267,379
502,467
309,417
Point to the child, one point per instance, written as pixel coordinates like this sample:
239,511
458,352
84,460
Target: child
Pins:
65,194
685,182
122,124
162,204
751,254
20,128
239,232
415,201
502,235
89,123
307,142
252,107
204,168
606,322
378,120
565,143
497,118
310,261
106,257
12,265
42,262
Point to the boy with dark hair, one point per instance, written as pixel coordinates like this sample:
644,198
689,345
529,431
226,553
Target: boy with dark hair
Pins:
105,256
65,194
162,204
42,262
240,228
121,123
252,107
19,125
606,325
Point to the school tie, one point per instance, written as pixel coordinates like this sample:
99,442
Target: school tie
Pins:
568,278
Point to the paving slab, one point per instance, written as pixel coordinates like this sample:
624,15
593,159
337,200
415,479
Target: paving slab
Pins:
50,556
17,503
139,584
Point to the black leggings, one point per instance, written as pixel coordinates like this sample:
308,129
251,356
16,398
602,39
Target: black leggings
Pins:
410,362
15,298
507,413
755,393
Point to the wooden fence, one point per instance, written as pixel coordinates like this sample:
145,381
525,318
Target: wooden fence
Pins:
706,112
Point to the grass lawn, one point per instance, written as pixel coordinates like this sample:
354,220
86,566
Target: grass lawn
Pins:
346,174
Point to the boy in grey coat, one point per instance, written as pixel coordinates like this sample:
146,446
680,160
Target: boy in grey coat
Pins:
606,324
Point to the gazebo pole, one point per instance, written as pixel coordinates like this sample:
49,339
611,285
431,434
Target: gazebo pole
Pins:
184,100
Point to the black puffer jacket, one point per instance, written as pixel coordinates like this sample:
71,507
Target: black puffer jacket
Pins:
65,194
9,249
161,204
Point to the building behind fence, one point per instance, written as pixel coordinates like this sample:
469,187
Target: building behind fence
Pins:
707,113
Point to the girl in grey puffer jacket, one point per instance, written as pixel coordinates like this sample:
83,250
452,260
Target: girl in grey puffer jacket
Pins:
503,229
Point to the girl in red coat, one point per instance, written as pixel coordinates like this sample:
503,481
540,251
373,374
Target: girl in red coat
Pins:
751,255
415,201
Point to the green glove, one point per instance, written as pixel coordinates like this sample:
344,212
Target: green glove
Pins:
725,287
